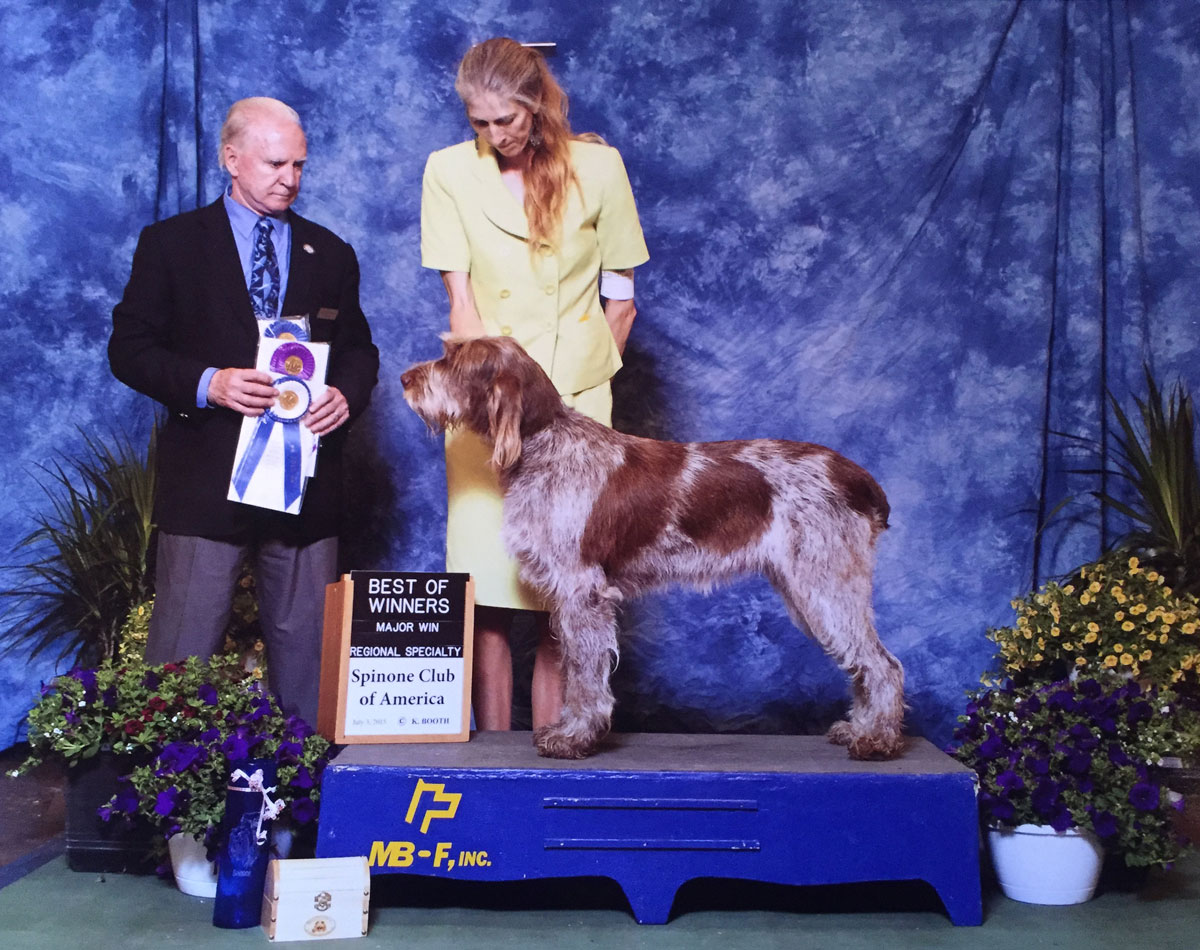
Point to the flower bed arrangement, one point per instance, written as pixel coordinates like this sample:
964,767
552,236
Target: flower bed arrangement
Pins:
1081,753
1111,615
190,719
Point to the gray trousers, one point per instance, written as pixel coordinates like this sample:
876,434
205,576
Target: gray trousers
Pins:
194,583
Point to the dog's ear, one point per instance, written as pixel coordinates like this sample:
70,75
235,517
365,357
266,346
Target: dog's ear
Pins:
504,421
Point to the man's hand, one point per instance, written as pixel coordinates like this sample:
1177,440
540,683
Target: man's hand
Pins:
248,391
328,412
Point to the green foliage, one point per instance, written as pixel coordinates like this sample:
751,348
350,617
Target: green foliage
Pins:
1157,461
87,566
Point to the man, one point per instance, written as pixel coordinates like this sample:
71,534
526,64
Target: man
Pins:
205,285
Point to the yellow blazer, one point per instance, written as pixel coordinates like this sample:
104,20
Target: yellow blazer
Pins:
549,302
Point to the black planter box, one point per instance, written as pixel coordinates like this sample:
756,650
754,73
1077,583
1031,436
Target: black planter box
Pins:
105,847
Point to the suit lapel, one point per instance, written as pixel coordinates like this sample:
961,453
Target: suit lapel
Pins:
225,267
300,268
496,201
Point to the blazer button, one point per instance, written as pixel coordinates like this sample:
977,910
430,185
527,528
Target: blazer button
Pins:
547,250
506,331
551,289
505,294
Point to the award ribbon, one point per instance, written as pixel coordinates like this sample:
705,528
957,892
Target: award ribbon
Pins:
284,329
297,364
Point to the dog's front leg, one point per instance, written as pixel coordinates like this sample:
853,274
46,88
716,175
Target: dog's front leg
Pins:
586,625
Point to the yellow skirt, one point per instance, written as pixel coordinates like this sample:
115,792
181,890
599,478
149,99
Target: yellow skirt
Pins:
475,511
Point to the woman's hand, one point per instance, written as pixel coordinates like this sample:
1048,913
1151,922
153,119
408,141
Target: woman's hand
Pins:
620,314
464,316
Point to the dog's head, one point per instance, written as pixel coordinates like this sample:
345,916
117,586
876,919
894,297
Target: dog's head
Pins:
489,384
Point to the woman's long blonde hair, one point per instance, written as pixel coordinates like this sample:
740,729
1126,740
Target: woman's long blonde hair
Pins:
506,68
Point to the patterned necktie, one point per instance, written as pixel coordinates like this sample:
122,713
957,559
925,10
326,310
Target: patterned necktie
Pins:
264,273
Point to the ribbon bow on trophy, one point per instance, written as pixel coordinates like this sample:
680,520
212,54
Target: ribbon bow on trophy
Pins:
297,364
269,810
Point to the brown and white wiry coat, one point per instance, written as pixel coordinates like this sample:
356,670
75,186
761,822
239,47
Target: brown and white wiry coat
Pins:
595,516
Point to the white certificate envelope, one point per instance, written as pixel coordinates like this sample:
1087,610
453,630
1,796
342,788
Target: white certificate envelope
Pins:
276,453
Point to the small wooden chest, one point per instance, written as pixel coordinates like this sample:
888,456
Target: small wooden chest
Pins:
316,898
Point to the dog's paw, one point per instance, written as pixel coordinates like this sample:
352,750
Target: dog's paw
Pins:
877,747
841,733
552,743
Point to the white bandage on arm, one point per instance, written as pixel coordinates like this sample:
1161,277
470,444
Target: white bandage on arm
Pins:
614,286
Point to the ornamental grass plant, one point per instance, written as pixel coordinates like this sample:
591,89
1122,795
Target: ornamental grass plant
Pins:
181,724
1113,615
1081,753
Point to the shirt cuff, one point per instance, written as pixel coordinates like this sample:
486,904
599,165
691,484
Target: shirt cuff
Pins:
615,286
202,388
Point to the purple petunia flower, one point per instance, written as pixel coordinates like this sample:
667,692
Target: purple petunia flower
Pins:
303,811
1061,820
303,778
151,680
235,748
1104,824
1139,712
1044,798
207,693
1117,756
1010,781
167,800
179,756
1079,763
1144,796
1037,765
991,747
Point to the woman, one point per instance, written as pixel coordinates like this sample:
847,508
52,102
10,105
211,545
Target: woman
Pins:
520,223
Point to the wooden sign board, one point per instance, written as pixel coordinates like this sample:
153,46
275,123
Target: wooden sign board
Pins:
396,658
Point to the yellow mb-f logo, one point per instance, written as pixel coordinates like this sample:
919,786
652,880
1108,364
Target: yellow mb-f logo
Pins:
439,795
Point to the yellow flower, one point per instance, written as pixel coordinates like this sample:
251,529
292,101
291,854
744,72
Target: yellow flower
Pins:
1094,627
1187,662
1133,563
1189,627
1138,609
1028,634
1094,587
1152,637
1041,643
1152,576
1119,648
1081,661
1146,654
1055,631
257,674
1110,661
1119,615
1091,637
1127,626
1127,659
1069,589
1085,598
1037,658
1069,647
1169,617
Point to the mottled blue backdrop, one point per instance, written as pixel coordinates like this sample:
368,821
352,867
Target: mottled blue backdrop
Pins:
927,234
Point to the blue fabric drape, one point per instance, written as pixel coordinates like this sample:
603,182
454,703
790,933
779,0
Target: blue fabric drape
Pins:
931,236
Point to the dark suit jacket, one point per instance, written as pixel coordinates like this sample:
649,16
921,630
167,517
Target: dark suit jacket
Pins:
186,308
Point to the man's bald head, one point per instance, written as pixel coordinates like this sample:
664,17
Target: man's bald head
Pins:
246,112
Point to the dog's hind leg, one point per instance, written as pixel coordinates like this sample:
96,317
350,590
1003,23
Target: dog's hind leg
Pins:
836,609
586,625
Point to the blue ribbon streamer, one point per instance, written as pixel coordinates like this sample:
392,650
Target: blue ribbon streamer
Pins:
258,445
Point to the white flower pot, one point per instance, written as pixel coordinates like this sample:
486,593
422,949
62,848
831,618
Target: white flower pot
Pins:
1038,865
195,875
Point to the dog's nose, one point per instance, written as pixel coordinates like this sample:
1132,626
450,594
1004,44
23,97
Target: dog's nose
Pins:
406,378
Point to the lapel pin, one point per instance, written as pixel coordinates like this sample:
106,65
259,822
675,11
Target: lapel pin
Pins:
308,249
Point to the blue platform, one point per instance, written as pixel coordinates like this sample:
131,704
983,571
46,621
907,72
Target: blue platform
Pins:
655,811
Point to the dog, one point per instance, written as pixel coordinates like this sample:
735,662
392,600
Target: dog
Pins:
594,516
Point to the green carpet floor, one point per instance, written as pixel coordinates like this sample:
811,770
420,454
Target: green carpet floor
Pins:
55,908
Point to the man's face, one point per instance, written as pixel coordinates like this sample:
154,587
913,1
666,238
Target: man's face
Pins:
265,163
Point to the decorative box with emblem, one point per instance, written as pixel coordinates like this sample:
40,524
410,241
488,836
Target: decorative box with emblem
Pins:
316,898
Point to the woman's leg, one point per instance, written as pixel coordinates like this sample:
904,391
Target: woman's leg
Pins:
491,669
547,692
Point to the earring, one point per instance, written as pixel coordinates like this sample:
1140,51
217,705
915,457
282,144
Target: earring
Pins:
535,135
